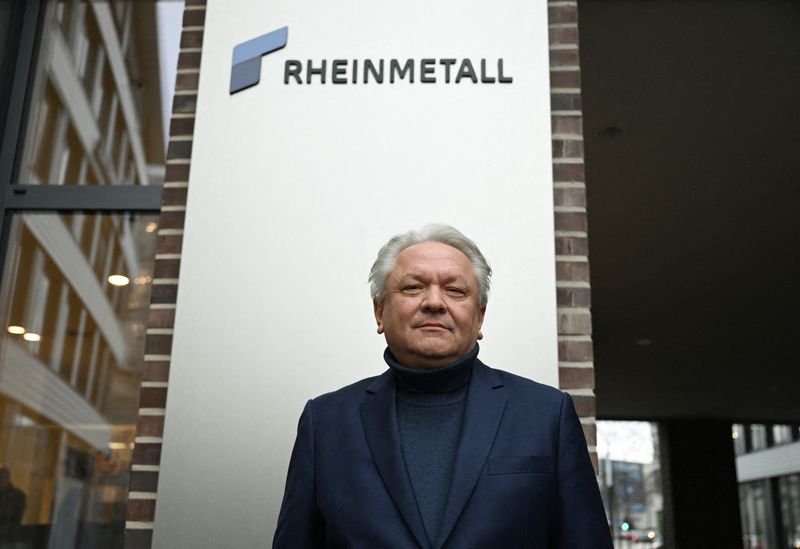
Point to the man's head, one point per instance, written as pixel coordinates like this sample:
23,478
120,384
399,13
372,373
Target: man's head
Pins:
429,290
5,476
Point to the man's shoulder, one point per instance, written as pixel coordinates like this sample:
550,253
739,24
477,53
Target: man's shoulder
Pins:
353,392
523,387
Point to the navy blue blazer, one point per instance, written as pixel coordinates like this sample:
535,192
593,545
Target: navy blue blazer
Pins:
522,476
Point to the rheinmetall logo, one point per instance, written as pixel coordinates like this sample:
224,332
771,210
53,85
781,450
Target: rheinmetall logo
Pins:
246,70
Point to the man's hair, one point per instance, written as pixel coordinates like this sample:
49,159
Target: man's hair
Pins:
387,257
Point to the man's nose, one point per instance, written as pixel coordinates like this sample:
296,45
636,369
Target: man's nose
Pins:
434,300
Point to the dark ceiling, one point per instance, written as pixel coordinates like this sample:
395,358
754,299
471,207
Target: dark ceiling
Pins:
692,139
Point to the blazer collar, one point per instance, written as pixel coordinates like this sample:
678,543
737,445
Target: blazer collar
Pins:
482,415
383,438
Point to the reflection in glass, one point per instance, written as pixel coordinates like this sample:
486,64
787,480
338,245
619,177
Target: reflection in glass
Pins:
630,482
69,396
95,110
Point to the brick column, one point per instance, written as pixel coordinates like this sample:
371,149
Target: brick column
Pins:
576,369
158,344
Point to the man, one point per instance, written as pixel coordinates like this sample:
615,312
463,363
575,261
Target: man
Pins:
440,450
12,506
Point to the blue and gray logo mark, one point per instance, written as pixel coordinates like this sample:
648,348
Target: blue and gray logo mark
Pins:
246,69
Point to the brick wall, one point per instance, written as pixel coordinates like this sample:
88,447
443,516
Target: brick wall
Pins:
576,370
158,343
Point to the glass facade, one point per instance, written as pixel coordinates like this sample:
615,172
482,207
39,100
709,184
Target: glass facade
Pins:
630,482
769,504
85,110
95,107
75,297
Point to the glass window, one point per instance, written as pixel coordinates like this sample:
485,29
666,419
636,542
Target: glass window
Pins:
630,481
96,103
739,439
74,301
781,434
757,517
789,487
758,437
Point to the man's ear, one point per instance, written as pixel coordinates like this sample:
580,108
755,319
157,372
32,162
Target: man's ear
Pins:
481,314
377,307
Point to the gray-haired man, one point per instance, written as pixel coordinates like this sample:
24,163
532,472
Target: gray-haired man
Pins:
440,450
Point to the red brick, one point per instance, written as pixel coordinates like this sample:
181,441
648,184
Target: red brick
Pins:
571,245
564,58
564,35
584,405
157,370
153,397
147,453
161,318
181,126
567,148
574,297
176,173
565,79
172,219
573,197
174,196
565,101
570,221
150,426
576,378
192,39
187,81
569,173
163,293
567,124
169,244
184,104
575,351
166,268
141,510
143,481
179,150
189,60
562,14
574,323
158,344
194,18
572,270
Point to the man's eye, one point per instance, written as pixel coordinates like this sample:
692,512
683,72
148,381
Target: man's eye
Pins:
412,287
456,291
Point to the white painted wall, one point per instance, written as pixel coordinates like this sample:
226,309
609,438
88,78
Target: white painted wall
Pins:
294,188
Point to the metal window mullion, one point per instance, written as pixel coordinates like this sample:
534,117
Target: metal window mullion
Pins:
110,198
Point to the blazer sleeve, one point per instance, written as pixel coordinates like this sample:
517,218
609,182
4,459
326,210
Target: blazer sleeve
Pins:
300,525
582,518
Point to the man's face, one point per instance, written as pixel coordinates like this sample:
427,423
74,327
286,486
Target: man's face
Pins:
430,312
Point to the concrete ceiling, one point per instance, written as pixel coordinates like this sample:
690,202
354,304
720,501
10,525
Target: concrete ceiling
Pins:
692,139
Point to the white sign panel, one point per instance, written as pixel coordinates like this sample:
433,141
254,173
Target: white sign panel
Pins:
295,184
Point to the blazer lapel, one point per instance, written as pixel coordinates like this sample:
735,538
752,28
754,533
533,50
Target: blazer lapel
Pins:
383,438
484,410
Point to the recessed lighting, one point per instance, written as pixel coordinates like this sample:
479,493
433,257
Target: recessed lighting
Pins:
151,227
735,435
119,280
143,279
30,336
117,446
16,330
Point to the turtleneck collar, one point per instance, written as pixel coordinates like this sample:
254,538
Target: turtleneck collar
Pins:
444,379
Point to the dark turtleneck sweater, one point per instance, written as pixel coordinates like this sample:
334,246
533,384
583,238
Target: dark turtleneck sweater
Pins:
430,409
